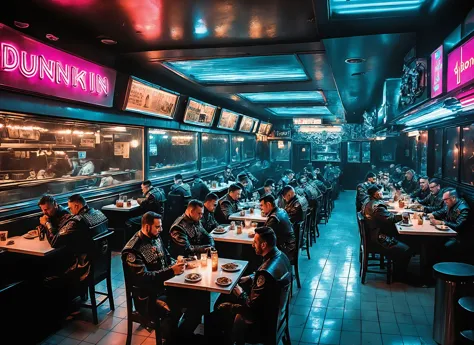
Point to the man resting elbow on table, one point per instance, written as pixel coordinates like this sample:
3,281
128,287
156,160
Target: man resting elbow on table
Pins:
228,204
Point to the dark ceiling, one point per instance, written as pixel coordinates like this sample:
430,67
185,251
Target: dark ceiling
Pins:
152,32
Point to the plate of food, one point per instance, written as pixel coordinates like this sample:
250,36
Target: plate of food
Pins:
193,277
405,224
223,281
442,227
231,267
31,234
220,231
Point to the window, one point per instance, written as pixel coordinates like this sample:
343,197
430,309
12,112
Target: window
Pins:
451,163
414,151
423,153
438,155
468,155
326,153
171,152
242,148
388,150
40,156
353,152
366,152
215,150
280,151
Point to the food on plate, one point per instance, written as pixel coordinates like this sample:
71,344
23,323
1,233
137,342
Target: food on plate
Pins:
223,281
230,266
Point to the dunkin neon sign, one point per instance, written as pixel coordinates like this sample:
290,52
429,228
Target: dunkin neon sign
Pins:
461,65
29,65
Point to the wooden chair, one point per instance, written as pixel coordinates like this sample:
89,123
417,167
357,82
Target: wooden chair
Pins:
307,230
368,248
298,228
100,270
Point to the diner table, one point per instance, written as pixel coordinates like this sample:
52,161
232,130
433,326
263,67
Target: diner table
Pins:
426,229
248,204
33,246
125,208
231,236
219,187
395,208
256,216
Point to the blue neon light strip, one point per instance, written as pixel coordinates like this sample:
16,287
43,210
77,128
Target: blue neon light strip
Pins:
284,96
342,7
283,111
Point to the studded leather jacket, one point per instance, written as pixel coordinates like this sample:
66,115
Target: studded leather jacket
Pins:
59,217
279,221
189,238
361,194
380,221
433,202
154,201
456,218
409,186
182,189
295,210
420,194
225,207
199,189
208,221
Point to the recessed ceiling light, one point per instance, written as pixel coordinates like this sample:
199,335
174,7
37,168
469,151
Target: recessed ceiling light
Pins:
355,60
51,37
108,41
358,74
21,25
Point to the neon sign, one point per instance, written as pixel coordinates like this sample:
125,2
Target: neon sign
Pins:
437,72
461,65
29,65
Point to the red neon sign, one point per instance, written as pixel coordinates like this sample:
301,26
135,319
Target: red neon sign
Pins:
26,64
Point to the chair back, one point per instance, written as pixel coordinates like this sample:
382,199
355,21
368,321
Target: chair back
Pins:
100,257
298,228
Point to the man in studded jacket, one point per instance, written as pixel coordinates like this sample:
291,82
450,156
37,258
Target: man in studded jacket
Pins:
228,204
423,191
278,220
188,237
434,201
380,223
153,201
246,313
294,205
361,190
208,221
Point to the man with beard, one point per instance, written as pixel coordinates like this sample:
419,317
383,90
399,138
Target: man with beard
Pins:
208,221
52,212
153,201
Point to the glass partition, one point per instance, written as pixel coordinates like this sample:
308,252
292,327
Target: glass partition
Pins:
451,163
353,152
242,148
438,154
39,156
214,150
326,153
171,152
468,155
366,152
280,151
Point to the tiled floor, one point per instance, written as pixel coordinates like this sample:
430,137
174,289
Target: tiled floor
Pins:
332,307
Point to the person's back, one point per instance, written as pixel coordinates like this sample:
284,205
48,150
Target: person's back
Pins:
199,189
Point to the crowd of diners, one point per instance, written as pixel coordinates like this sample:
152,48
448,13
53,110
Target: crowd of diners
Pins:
149,260
441,206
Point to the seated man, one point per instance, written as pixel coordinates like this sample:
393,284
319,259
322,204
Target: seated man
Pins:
244,314
294,205
308,172
278,220
424,190
268,187
434,201
199,189
208,221
455,215
52,212
148,265
180,188
382,231
361,190
409,183
243,181
188,237
227,175
287,178
228,204
153,200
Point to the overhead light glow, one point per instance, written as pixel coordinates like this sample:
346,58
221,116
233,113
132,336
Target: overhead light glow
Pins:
286,111
319,129
343,7
235,70
434,116
284,96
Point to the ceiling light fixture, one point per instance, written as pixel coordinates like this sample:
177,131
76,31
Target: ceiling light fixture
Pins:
51,37
354,60
21,25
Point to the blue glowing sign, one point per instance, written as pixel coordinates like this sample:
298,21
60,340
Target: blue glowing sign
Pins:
286,111
284,96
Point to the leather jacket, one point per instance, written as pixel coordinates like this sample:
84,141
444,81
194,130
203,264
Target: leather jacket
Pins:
199,189
361,195
154,201
409,186
225,207
182,189
380,221
228,177
148,265
319,185
433,202
208,221
59,217
456,218
420,194
279,221
189,238
295,210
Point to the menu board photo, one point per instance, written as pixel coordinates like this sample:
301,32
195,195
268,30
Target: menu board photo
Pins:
228,120
255,126
199,113
246,124
263,128
150,99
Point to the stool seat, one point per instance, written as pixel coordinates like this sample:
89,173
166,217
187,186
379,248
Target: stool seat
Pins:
467,337
467,303
454,271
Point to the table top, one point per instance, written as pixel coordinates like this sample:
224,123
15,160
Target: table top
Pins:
248,204
423,230
31,247
113,207
219,187
208,281
232,237
256,216
395,209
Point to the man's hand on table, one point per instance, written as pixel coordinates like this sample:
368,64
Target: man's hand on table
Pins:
244,280
237,291
178,268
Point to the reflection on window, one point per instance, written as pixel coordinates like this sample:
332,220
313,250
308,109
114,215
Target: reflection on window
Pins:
171,152
388,150
468,153
366,152
40,156
326,153
242,148
438,147
280,151
304,152
414,151
215,150
451,163
423,153
353,152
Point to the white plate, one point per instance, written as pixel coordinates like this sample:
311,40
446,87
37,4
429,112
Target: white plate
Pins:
219,232
442,227
405,225
192,280
238,268
220,284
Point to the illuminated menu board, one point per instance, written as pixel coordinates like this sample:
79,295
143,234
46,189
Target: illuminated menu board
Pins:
228,120
307,121
255,126
199,113
437,72
150,99
264,128
246,125
461,65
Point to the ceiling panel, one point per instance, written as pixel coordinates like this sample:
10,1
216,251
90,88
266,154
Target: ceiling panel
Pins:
316,97
292,111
